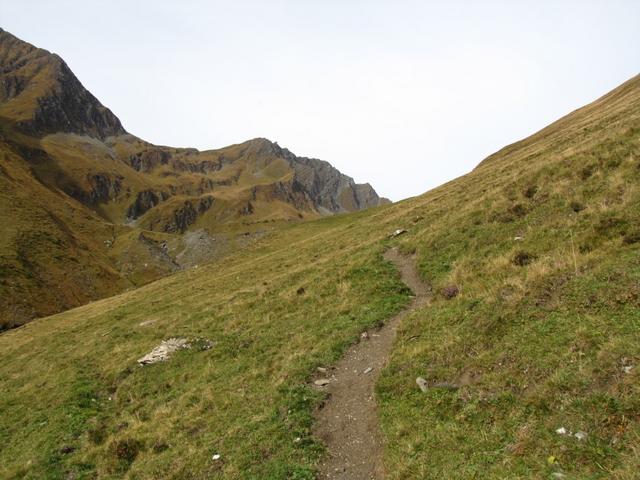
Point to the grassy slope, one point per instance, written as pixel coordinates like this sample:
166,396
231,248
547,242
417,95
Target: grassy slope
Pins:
536,346
244,398
51,248
540,346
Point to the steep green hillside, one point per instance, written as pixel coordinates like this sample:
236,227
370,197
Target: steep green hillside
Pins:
542,241
534,261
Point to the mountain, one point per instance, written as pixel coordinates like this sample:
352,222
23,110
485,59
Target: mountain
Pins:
40,95
89,209
534,265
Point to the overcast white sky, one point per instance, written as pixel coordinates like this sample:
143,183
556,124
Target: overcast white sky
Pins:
402,94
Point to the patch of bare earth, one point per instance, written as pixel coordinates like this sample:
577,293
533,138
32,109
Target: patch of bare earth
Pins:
347,423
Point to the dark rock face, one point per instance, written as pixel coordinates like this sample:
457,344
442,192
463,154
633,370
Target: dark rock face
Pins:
42,95
149,159
205,166
71,108
187,214
291,192
103,188
331,189
145,200
328,189
367,197
247,209
11,86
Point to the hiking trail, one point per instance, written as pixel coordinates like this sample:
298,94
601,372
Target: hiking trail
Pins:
347,423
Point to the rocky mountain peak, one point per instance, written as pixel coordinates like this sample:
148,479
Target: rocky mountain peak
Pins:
40,94
263,147
330,190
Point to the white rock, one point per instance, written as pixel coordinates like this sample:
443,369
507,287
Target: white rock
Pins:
397,232
368,369
422,383
627,369
216,457
581,435
321,382
561,431
163,351
558,475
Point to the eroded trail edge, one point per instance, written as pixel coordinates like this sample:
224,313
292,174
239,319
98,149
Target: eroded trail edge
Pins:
348,421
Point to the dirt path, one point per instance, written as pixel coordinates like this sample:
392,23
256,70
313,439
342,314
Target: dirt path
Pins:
348,423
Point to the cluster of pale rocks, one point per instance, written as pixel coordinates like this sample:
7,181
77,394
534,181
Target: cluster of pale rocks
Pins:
167,347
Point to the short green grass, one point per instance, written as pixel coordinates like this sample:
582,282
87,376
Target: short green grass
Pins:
75,401
541,242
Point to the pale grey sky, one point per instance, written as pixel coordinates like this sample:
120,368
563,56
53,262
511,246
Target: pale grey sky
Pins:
402,94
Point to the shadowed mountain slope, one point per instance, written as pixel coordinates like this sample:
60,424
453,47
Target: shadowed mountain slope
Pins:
534,264
89,209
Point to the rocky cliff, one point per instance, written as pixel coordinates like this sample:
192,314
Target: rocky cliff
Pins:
329,190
